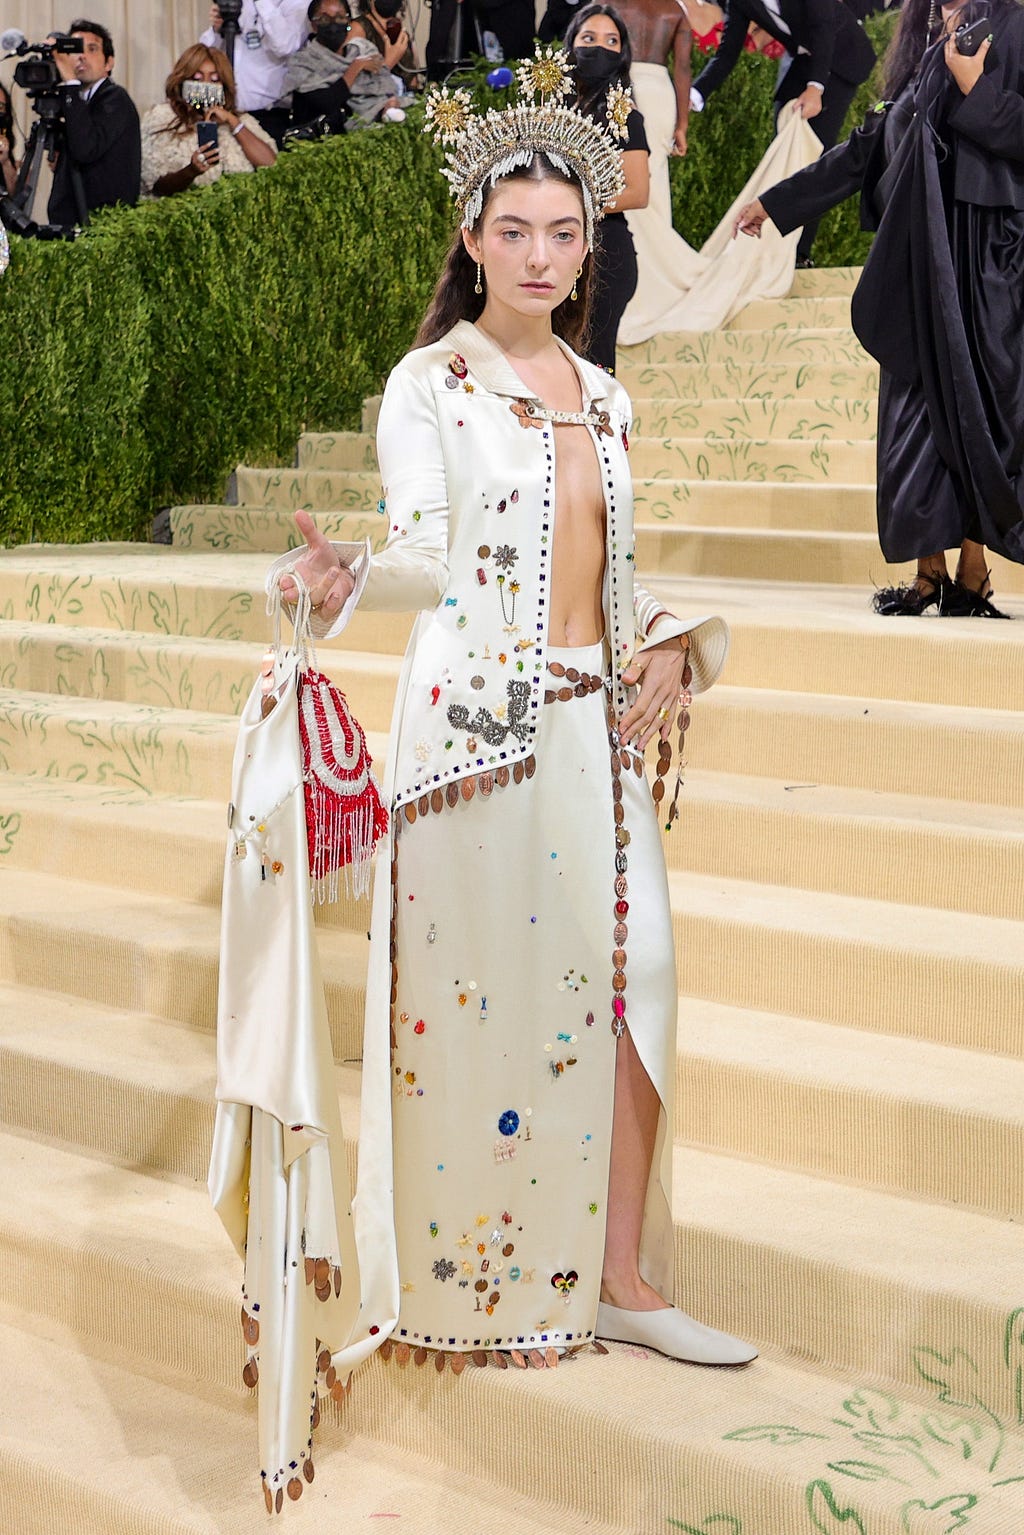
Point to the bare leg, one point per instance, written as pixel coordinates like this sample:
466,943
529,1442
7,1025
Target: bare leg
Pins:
931,565
634,1132
972,569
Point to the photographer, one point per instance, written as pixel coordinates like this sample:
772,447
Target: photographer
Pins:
269,32
318,81
8,168
200,88
102,127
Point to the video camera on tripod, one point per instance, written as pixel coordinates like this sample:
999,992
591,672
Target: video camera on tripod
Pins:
38,76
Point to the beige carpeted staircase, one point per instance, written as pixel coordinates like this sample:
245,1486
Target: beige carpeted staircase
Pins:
848,888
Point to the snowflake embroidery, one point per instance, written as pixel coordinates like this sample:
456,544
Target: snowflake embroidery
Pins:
444,1269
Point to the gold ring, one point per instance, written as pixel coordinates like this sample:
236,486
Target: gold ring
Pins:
663,714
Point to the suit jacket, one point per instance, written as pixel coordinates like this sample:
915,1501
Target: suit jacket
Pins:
469,496
834,41
104,142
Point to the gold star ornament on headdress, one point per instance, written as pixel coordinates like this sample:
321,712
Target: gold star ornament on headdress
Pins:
484,147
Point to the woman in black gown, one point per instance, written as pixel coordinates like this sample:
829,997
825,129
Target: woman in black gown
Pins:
598,45
940,304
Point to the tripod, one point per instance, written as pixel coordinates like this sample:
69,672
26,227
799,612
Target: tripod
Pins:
47,140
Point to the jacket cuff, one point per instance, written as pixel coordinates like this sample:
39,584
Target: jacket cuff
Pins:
709,645
352,557
973,112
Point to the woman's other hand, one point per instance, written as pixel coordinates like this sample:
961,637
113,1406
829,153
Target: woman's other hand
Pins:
658,673
396,50
966,69
749,219
328,582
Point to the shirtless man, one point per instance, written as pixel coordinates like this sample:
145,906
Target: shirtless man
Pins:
656,29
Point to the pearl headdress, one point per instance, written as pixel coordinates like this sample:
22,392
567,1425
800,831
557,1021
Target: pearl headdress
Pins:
487,146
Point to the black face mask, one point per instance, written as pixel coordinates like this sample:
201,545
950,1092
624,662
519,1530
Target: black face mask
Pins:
388,8
332,34
596,64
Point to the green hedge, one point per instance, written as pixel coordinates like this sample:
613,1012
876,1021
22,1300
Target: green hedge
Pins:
142,362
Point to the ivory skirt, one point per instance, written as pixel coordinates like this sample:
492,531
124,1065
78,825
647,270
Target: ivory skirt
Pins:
527,927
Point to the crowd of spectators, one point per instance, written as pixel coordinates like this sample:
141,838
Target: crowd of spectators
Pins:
301,68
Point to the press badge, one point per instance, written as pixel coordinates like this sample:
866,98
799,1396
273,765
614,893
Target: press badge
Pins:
253,39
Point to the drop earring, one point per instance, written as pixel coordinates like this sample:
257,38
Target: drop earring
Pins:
574,295
479,288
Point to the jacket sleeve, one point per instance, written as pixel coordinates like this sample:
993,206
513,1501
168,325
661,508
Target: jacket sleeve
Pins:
93,134
830,180
285,26
820,38
411,572
992,118
734,35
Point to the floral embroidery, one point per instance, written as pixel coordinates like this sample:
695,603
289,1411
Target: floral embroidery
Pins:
485,724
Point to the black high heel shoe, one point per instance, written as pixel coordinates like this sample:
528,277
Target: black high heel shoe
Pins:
963,602
910,599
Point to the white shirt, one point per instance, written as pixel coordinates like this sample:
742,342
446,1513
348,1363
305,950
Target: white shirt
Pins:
283,27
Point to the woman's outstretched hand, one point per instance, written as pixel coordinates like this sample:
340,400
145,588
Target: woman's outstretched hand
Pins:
749,219
328,582
658,673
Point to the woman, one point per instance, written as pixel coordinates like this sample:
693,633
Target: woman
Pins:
940,170
528,1100
8,168
200,88
598,44
377,96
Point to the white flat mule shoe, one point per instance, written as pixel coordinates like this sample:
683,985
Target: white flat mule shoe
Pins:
673,1333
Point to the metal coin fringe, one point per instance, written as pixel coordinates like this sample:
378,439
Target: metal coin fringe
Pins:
540,1359
290,1480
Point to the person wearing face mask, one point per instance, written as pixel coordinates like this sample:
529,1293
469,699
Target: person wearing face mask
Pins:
378,34
318,81
598,45
200,88
8,168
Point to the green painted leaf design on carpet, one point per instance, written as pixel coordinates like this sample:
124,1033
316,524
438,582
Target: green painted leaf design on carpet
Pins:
942,1518
828,1516
774,1433
714,1524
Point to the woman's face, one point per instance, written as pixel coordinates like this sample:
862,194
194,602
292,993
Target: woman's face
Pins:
207,72
531,243
598,32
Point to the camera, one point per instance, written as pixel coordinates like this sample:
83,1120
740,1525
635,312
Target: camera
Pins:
39,76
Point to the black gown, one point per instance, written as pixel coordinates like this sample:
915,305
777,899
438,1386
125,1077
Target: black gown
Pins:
615,272
940,303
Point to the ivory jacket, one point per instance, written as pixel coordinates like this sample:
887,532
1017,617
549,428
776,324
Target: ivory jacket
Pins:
468,489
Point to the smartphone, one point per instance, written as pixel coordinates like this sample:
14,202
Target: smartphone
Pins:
969,39
208,134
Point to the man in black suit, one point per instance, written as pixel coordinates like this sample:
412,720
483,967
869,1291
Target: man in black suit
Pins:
102,161
828,54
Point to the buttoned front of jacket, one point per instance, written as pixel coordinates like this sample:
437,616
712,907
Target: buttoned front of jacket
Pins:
469,492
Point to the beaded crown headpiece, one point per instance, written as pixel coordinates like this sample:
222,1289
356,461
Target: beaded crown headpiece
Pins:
486,146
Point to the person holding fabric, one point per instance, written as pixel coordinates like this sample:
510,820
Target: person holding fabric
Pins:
598,44
828,54
940,303
200,88
318,83
515,1156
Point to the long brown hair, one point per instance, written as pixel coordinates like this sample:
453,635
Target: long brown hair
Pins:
453,298
192,59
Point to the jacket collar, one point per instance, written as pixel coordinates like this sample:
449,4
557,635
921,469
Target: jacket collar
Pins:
489,364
